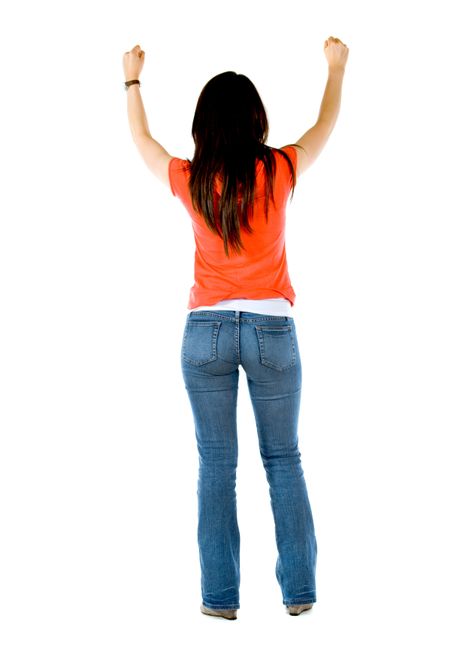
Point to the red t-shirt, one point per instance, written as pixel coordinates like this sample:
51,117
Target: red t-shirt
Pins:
261,270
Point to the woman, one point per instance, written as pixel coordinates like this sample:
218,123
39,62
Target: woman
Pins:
240,313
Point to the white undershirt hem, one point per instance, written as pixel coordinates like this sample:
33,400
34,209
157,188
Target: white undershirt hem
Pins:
269,306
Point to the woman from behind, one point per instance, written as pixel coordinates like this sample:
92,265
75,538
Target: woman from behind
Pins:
235,191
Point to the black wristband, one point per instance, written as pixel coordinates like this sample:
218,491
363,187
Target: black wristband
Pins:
130,82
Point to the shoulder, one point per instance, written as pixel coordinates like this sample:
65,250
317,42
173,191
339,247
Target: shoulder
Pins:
287,152
290,151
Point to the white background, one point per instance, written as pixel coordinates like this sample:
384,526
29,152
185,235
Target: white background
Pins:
98,465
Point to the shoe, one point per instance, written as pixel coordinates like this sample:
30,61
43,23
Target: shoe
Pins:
296,609
228,614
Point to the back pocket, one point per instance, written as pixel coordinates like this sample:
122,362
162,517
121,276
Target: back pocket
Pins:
276,346
200,341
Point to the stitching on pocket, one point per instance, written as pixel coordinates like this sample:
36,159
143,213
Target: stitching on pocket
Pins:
276,346
200,341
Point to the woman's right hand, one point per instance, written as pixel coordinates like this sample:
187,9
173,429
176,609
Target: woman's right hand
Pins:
336,52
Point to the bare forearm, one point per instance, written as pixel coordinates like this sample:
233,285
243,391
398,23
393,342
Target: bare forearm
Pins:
331,101
136,113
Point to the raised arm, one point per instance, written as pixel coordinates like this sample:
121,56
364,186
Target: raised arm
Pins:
310,145
154,154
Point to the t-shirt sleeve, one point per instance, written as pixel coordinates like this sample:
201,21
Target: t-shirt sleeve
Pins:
177,175
172,162
292,154
288,182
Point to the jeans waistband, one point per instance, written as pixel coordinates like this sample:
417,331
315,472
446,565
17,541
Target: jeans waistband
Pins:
240,316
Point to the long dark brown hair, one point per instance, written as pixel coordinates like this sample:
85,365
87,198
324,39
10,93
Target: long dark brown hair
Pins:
229,129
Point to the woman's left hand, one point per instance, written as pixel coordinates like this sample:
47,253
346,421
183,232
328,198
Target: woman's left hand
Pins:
133,62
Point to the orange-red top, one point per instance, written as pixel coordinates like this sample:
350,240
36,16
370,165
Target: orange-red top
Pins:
261,270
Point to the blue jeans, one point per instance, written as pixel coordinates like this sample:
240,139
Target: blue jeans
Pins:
214,345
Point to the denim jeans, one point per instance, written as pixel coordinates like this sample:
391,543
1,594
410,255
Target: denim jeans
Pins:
214,345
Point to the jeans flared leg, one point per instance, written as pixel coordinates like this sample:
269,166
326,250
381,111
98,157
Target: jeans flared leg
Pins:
275,396
212,389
